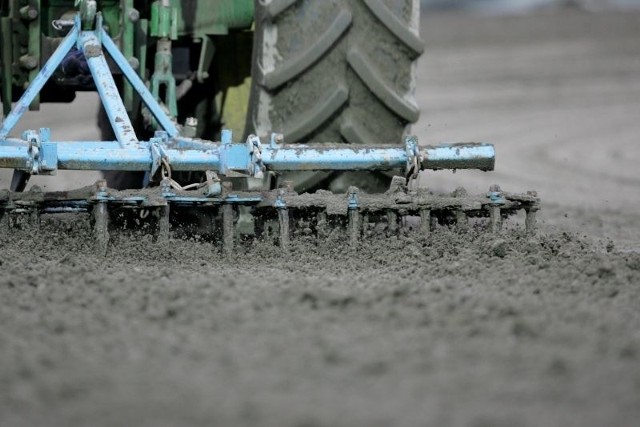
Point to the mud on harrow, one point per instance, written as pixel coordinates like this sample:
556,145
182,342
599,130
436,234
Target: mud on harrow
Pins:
278,215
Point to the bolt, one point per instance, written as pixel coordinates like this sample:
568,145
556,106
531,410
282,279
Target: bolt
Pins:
29,13
191,121
28,62
134,15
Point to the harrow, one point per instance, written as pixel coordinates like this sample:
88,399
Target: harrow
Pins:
212,203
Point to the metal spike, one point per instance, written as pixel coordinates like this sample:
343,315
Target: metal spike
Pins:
354,225
34,217
228,232
495,224
392,221
425,221
283,222
530,220
163,227
101,226
354,215
321,224
462,221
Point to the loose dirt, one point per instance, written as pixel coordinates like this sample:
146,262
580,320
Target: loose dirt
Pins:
454,329
459,328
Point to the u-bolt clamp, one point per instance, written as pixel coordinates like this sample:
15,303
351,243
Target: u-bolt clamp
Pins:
414,158
33,139
255,150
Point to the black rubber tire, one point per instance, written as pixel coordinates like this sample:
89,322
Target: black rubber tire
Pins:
335,71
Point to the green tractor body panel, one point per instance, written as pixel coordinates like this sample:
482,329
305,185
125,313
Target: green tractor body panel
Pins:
28,37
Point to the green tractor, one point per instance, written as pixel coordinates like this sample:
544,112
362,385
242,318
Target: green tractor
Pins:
312,70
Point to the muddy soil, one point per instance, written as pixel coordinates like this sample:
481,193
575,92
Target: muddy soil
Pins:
454,329
459,328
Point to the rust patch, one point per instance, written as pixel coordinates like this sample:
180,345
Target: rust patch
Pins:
92,50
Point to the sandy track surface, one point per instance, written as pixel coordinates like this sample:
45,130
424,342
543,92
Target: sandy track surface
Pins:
558,95
458,329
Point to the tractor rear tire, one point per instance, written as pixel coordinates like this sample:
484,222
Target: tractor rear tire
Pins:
335,71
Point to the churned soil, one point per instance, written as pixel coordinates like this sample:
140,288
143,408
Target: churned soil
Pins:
455,328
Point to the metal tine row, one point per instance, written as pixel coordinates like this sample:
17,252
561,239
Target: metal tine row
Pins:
357,223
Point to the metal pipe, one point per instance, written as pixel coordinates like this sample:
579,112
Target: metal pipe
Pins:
14,157
334,157
106,86
139,86
340,157
89,155
459,156
134,159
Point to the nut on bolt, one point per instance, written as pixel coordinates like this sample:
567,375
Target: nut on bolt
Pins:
134,15
29,13
101,185
28,62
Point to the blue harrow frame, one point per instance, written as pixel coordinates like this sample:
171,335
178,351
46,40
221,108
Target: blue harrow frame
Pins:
36,153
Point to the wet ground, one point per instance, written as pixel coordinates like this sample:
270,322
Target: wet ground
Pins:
456,329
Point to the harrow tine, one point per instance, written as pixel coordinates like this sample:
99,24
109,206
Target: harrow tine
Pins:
392,222
530,219
321,224
425,221
228,232
101,218
495,215
354,226
354,216
283,221
462,221
163,227
101,226
34,217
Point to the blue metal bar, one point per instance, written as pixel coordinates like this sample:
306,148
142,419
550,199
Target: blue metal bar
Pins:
15,157
109,95
459,156
336,157
138,85
134,159
237,157
36,85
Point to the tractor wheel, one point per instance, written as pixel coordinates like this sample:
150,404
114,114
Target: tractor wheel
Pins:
335,71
